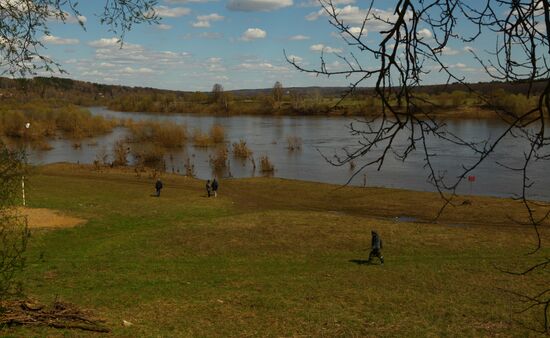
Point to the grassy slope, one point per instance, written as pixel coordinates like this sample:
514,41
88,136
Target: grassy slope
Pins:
272,257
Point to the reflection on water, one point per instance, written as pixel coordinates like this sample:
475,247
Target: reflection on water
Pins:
267,135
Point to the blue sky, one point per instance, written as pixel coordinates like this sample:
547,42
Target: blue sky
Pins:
237,43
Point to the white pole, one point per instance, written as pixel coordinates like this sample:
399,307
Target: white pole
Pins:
23,190
27,126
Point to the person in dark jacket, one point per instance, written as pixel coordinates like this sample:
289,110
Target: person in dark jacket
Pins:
158,186
376,244
208,187
215,187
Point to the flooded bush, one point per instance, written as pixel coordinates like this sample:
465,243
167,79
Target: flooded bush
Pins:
165,134
149,155
241,150
294,143
217,133
219,160
101,158
76,122
120,153
201,140
189,168
266,166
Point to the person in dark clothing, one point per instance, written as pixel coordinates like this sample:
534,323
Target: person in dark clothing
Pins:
376,244
215,187
158,186
208,187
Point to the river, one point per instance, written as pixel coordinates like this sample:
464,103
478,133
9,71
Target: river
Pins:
267,135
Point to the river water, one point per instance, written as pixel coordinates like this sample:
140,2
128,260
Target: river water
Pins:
267,135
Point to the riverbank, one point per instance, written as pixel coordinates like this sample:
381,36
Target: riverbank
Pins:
274,257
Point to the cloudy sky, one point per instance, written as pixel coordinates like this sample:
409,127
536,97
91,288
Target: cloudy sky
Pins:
237,43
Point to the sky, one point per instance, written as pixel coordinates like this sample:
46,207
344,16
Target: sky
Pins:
237,43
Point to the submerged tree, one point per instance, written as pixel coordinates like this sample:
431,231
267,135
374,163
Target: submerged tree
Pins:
407,45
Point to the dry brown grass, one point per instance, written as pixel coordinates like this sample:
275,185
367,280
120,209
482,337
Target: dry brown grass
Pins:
48,218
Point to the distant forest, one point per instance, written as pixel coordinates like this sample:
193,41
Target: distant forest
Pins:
451,100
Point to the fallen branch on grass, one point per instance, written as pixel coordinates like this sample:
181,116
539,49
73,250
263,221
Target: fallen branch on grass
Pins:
59,315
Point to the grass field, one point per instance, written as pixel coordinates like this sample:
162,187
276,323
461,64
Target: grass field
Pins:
276,258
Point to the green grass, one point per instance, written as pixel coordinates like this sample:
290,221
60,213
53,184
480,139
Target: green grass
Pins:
273,257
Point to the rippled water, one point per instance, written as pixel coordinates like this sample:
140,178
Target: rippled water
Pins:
267,135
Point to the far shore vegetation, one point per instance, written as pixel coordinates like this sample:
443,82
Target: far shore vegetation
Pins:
443,101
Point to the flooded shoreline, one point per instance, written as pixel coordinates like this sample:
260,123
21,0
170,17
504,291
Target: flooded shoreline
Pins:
320,137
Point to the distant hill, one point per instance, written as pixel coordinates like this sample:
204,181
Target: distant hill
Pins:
43,85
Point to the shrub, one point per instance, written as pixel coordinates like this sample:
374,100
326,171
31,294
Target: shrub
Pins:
265,165
219,161
241,150
189,168
217,133
294,143
201,139
149,155
165,134
101,157
120,153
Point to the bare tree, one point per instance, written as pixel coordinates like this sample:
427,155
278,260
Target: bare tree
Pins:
277,93
412,42
24,23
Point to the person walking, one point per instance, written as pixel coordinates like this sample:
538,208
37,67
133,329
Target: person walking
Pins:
376,244
215,187
208,187
158,186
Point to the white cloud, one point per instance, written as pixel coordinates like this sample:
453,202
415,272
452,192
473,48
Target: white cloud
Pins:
104,42
211,17
358,31
203,21
171,12
295,58
299,37
315,3
55,40
327,49
257,5
69,18
449,51
201,24
175,2
211,35
263,66
253,34
131,71
107,65
378,19
163,26
424,33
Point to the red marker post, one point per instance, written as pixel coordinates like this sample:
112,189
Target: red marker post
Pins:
471,179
